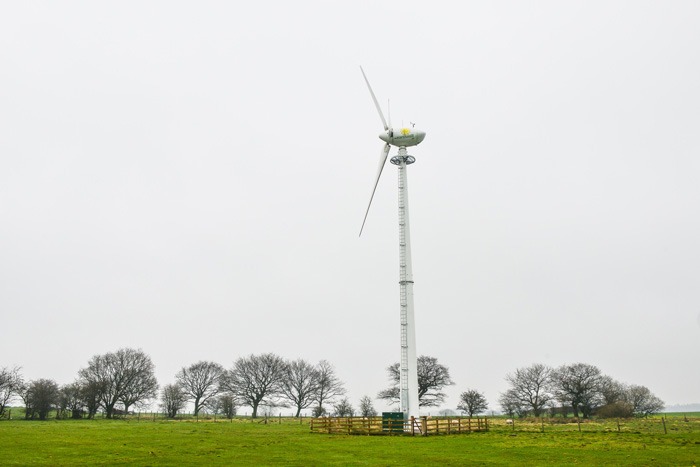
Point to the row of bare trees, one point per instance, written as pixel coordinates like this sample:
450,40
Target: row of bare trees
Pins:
117,382
114,382
264,380
577,388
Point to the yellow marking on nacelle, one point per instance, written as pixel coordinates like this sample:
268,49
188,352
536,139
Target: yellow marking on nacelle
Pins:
405,131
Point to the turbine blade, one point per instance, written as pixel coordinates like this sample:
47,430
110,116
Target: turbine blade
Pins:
382,162
376,104
388,109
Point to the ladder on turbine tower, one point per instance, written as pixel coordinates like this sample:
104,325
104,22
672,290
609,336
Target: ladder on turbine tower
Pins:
403,377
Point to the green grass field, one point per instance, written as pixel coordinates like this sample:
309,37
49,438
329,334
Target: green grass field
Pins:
244,442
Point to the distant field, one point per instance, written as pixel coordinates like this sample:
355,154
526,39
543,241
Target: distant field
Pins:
287,442
681,414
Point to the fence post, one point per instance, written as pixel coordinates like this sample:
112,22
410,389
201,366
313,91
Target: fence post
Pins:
542,420
578,420
424,425
618,425
663,420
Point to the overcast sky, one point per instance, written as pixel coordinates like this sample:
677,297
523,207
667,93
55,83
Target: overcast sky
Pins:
189,178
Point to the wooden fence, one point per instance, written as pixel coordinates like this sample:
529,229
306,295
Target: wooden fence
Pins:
378,426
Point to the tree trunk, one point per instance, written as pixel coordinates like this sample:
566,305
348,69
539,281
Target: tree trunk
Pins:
196,406
255,409
298,412
109,410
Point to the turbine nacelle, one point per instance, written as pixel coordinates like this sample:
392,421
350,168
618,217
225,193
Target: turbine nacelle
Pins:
403,137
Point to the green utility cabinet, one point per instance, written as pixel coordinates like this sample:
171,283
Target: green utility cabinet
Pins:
392,422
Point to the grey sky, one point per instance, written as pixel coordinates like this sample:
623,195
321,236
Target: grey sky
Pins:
190,178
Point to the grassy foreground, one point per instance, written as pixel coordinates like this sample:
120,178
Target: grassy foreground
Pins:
243,442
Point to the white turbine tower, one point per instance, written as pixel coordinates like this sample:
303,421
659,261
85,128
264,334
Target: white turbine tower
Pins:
403,138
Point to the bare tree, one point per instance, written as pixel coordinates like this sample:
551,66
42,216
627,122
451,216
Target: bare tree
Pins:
432,377
300,384
366,407
343,408
472,402
140,382
201,382
611,391
530,386
91,393
511,404
10,385
40,398
225,404
125,376
256,380
329,387
71,398
173,399
643,402
578,385
613,399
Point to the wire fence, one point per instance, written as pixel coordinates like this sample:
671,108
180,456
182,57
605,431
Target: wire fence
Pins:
18,413
661,424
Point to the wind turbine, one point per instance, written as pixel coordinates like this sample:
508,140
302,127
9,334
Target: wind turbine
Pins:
403,138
